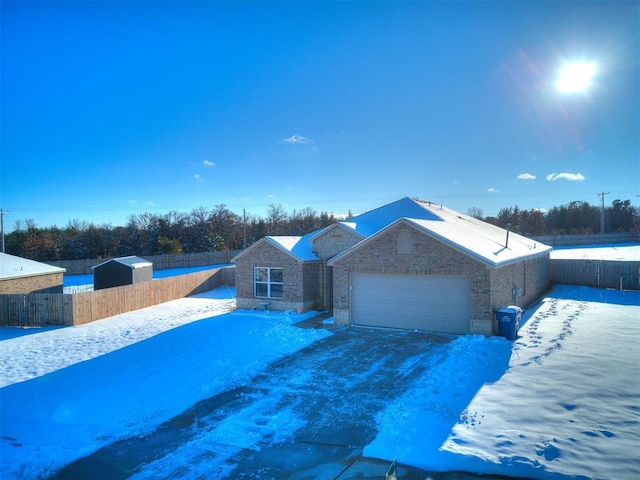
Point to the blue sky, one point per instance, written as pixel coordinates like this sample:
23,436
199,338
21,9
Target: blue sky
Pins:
117,108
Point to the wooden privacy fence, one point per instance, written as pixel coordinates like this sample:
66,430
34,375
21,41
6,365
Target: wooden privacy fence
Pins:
63,309
160,262
623,275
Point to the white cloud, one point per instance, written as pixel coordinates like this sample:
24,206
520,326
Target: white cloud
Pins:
572,177
541,210
298,140
208,163
526,176
197,177
150,204
491,190
133,202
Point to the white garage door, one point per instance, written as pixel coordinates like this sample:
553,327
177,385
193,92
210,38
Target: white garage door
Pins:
422,302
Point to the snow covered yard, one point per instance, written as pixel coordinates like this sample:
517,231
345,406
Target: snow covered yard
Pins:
618,252
567,405
563,401
70,391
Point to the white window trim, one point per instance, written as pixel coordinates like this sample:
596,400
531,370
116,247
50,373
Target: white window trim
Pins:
268,283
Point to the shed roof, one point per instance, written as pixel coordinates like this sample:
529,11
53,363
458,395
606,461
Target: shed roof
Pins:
16,267
130,261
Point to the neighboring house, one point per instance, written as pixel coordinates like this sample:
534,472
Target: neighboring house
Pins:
21,275
122,271
410,264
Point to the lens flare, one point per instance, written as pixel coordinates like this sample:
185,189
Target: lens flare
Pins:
575,77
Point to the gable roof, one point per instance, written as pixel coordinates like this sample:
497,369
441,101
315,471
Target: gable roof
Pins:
130,261
483,241
473,237
298,247
375,220
16,267
348,226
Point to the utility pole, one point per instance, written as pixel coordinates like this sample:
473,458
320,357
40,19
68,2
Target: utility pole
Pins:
601,195
2,212
244,229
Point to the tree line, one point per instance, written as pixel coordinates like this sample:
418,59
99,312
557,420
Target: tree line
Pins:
573,218
205,230
201,230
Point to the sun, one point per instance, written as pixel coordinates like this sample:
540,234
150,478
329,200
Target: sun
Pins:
575,77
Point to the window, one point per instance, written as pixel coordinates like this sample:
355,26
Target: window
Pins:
267,282
404,243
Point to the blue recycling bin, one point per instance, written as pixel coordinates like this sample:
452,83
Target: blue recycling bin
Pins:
509,321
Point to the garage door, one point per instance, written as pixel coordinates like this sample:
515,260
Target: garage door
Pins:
422,302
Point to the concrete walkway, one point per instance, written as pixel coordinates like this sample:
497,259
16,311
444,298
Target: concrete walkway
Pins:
337,386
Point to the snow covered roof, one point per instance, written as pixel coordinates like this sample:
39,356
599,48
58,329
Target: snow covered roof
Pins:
476,238
131,261
486,242
375,220
349,226
16,267
297,246
479,239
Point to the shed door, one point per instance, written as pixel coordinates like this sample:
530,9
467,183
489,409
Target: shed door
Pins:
421,302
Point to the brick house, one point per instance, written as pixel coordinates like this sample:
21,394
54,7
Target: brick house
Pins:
409,264
21,275
279,273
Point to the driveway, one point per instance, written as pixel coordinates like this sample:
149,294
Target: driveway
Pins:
336,385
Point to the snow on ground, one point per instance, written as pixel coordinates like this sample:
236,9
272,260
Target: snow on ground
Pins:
54,348
92,393
622,252
563,401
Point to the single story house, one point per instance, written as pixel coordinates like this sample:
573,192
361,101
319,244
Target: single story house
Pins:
21,275
410,264
117,272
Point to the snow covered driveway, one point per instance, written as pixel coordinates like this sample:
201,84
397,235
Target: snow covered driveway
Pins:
301,417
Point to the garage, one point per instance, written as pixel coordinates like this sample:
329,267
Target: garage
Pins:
421,302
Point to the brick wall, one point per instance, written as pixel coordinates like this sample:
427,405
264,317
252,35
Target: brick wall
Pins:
490,288
426,256
48,283
518,284
301,281
334,241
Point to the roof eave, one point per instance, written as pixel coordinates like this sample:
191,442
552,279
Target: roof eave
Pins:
475,255
358,245
279,246
62,271
469,253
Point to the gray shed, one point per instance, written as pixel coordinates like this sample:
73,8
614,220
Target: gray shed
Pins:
122,271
